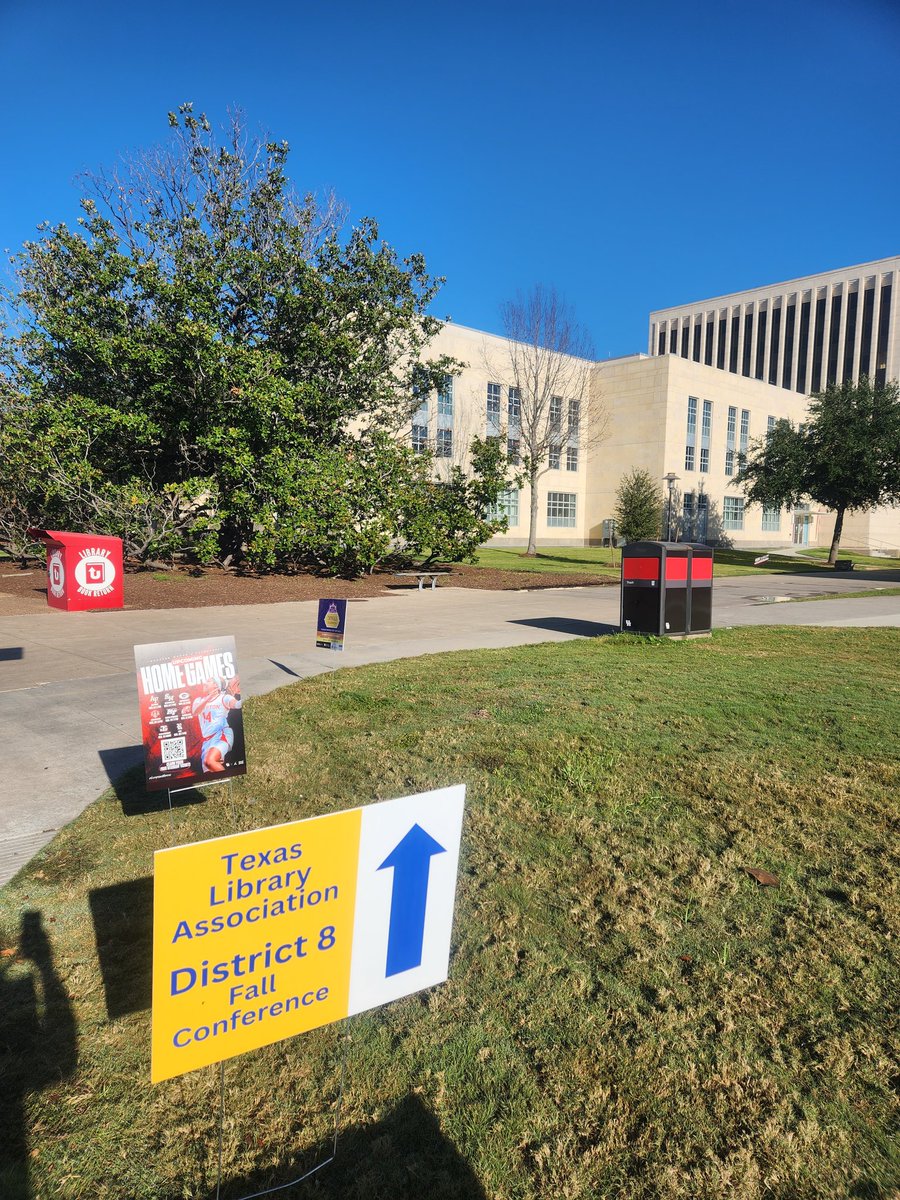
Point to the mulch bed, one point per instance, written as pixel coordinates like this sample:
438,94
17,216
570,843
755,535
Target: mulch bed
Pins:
24,590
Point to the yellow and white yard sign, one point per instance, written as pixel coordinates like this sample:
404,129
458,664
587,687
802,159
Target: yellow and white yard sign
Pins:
263,935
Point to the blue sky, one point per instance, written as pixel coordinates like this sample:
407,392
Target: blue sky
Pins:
632,155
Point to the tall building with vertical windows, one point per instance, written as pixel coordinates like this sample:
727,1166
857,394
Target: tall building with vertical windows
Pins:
801,335
717,376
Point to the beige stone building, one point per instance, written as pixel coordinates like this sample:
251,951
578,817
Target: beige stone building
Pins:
718,375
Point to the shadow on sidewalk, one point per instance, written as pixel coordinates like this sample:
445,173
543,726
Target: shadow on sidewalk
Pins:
569,625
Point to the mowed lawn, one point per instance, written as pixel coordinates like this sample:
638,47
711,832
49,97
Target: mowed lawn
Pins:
607,563
629,1013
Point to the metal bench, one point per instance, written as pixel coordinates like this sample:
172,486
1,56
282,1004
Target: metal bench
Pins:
434,576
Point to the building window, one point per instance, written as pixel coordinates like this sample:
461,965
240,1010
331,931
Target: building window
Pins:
720,344
708,352
507,506
572,458
561,510
698,334
685,341
850,336
748,342
705,434
514,406
555,412
444,446
691,436
762,322
553,457
803,351
770,424
776,342
445,397
790,322
512,451
493,407
733,512
574,419
745,435
771,520
420,438
884,320
730,434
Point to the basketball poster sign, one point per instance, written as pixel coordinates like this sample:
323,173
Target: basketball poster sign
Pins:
191,720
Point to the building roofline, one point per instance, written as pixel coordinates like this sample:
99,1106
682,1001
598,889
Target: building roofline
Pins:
787,285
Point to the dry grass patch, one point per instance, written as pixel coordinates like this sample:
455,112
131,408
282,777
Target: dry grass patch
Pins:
629,1014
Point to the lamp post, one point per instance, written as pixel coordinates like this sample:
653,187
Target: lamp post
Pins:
671,479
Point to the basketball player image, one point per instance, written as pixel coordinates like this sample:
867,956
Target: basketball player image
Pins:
211,710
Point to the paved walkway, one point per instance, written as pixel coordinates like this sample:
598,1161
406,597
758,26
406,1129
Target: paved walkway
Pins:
68,702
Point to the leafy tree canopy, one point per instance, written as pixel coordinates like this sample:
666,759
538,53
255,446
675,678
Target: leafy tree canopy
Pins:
209,362
845,456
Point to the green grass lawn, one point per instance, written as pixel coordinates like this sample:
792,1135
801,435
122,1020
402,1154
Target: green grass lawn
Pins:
606,563
859,560
629,1015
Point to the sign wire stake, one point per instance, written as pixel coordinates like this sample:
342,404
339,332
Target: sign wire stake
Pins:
313,1170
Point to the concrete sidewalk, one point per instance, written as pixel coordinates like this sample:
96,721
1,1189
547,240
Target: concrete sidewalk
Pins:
68,700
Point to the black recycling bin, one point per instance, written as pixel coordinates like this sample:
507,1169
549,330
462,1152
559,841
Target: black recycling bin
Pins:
666,588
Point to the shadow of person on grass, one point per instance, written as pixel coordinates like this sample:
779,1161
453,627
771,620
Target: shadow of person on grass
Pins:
38,1045
405,1156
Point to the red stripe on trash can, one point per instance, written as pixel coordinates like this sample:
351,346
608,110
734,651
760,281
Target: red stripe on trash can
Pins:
640,568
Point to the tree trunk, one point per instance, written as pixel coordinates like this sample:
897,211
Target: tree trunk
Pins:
531,550
836,540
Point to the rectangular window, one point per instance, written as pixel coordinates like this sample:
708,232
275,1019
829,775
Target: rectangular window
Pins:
444,446
574,419
744,442
420,438
661,348
705,434
761,325
685,341
733,512
512,451
790,322
556,406
553,456
720,345
833,339
818,345
493,407
514,406
770,424
710,334
698,333
572,458
689,458
748,343
561,510
507,506
868,318
445,397
771,520
850,336
803,352
730,435
776,342
735,334
884,319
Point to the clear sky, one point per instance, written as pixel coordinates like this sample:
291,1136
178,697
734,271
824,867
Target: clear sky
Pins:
633,155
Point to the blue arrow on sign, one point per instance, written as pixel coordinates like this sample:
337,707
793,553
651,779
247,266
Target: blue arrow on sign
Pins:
411,863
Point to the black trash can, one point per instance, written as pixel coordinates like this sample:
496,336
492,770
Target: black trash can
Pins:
658,588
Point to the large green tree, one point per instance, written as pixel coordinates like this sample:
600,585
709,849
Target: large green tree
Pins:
211,362
845,456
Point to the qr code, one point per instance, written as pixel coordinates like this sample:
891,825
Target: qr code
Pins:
172,749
